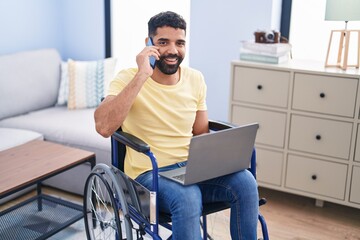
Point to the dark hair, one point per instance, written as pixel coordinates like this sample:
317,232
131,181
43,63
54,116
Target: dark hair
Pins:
162,19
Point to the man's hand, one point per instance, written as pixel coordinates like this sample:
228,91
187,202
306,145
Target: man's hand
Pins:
143,62
111,113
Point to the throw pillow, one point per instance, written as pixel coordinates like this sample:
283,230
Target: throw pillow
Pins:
88,82
64,85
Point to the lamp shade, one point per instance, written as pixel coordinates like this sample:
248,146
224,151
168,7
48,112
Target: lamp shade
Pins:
342,10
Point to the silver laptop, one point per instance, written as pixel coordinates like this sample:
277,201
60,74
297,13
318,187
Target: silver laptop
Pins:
216,154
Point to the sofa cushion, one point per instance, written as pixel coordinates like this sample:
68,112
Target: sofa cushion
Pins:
88,82
12,137
28,81
58,124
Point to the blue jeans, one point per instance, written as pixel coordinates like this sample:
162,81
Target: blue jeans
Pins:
185,202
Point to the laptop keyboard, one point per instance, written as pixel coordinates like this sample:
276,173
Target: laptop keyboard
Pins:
180,177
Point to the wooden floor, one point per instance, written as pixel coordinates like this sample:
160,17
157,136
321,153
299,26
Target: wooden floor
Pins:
292,217
288,217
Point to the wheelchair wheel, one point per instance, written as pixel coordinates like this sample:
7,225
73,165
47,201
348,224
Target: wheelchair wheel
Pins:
102,212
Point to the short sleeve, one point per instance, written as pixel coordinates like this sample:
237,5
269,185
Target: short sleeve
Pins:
202,95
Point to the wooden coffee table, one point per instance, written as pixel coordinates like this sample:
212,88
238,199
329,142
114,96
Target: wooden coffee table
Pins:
40,216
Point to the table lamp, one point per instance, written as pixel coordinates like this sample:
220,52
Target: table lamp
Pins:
343,10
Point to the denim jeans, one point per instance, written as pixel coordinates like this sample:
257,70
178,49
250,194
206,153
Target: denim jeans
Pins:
185,202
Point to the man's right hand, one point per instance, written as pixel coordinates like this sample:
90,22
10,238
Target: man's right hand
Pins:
143,62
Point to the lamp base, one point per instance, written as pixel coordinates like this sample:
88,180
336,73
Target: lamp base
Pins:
342,59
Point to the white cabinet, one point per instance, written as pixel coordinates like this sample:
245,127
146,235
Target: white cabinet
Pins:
258,88
267,159
355,185
271,124
357,148
320,136
308,141
325,94
316,176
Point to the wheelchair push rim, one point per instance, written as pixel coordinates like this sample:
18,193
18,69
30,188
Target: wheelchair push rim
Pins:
102,213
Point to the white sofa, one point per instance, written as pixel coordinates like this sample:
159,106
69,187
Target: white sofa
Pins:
29,88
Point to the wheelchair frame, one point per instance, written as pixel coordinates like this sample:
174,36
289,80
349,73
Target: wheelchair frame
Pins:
123,196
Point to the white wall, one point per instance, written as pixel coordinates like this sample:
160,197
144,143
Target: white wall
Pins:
129,25
83,29
74,28
310,33
23,25
217,29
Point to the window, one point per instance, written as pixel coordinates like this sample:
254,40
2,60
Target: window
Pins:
310,33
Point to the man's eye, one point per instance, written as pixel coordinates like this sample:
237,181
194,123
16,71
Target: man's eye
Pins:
162,43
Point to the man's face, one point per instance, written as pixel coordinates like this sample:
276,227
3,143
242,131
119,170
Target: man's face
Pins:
171,43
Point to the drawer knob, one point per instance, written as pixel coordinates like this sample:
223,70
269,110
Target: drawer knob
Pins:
322,95
313,177
318,137
259,86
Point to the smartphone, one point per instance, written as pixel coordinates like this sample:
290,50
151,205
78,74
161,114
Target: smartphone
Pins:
152,59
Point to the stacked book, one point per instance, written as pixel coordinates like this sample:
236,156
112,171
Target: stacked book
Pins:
265,52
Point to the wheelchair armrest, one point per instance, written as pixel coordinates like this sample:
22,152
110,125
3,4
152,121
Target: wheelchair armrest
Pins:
131,141
219,125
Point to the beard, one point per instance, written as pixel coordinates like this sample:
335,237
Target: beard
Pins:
169,69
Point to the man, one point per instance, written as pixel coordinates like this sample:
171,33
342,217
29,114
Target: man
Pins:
165,107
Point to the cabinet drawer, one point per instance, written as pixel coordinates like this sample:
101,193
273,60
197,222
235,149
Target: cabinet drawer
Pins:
316,176
266,87
320,136
355,185
271,124
269,166
357,146
325,94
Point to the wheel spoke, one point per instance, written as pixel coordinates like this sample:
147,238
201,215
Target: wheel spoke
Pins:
102,220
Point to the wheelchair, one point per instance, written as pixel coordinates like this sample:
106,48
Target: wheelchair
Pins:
117,207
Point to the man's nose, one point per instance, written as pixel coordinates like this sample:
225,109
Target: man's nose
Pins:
172,49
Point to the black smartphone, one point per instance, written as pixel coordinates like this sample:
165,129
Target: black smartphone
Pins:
152,59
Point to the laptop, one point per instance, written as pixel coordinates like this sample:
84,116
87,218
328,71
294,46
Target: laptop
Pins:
216,154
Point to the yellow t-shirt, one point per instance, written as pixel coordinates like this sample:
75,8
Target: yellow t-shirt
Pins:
162,116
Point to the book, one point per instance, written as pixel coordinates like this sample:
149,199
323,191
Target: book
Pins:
264,58
244,50
267,48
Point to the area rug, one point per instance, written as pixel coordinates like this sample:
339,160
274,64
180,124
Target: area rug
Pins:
75,231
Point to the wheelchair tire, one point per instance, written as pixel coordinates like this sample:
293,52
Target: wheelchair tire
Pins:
101,210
